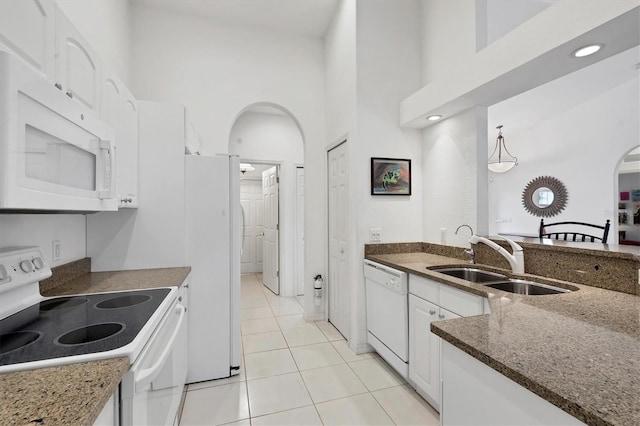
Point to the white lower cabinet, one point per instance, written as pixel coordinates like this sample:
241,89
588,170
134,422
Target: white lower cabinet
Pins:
469,387
426,298
424,348
110,414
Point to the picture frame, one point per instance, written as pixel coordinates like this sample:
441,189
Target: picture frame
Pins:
390,176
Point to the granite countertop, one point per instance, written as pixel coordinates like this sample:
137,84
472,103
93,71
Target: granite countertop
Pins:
580,351
67,395
75,394
98,282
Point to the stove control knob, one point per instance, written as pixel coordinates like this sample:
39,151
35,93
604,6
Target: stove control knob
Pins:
26,266
38,263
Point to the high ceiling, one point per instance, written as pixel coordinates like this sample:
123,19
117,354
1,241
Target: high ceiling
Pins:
300,17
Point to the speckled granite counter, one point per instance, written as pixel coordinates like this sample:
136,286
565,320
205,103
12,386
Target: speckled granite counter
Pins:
67,395
75,394
98,282
580,350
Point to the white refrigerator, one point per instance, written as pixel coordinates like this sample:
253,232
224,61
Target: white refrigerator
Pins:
213,245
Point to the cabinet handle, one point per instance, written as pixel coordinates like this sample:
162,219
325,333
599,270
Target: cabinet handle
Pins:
69,94
432,312
58,86
441,316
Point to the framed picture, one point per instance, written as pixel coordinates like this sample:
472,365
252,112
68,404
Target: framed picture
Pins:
635,195
390,176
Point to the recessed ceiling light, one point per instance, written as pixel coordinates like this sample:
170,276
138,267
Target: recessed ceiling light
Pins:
434,117
587,50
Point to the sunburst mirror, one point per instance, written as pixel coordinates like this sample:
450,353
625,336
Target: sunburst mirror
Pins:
544,196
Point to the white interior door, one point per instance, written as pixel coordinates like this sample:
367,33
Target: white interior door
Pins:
270,270
338,236
299,253
251,201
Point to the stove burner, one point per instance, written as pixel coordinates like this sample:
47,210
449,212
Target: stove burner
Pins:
123,301
62,303
89,334
16,340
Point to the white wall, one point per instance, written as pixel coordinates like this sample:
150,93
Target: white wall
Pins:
41,230
340,69
455,177
143,237
106,24
448,36
496,18
388,69
275,138
575,129
218,70
340,103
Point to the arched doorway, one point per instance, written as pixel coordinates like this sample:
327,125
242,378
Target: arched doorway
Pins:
269,138
628,198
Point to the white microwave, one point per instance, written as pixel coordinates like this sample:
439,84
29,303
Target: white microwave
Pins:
55,155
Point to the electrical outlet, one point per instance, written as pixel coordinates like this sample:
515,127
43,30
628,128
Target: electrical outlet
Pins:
56,250
443,235
375,235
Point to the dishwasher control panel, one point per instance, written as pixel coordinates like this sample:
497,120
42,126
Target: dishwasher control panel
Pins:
390,278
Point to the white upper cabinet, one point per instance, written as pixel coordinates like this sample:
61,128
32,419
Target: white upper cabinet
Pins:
27,29
128,152
77,64
119,110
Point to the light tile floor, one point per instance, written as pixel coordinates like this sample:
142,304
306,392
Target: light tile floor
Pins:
295,372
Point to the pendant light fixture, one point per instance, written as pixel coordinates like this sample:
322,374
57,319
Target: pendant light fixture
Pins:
246,167
499,162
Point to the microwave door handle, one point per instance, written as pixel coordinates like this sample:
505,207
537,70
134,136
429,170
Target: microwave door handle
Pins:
148,374
109,189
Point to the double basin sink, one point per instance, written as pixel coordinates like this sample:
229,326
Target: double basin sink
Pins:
500,282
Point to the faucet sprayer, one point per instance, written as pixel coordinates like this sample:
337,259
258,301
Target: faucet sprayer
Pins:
516,260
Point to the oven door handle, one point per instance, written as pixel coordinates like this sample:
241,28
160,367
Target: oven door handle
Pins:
147,375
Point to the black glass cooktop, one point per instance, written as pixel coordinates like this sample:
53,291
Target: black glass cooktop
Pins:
76,325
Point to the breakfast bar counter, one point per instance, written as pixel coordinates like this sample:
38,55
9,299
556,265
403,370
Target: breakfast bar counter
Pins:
580,351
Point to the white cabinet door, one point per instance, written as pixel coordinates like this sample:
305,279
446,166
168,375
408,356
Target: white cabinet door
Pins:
424,350
27,29
118,108
128,151
77,65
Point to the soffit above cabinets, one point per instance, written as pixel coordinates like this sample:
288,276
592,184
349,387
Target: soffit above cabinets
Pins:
527,57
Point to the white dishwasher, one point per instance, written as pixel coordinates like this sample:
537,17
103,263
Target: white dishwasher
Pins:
388,314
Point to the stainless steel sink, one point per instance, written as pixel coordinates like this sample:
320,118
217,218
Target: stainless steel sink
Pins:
526,287
471,274
500,282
